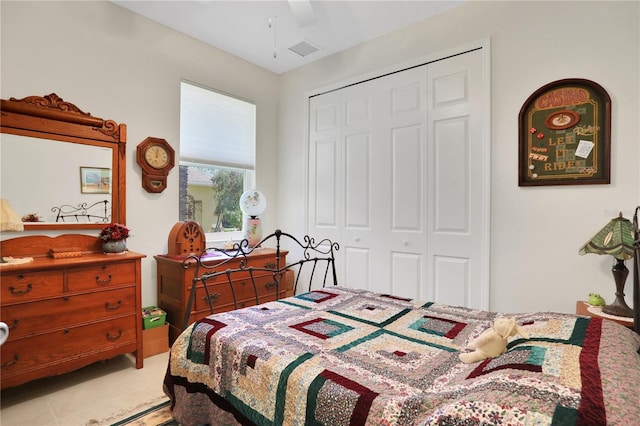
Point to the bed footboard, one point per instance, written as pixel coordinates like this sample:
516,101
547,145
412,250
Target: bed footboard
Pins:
315,267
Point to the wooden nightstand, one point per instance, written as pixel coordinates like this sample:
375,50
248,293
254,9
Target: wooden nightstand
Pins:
582,308
174,285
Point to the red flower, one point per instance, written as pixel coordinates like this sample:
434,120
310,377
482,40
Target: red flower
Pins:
114,232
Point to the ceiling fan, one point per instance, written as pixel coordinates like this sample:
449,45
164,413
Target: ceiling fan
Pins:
302,11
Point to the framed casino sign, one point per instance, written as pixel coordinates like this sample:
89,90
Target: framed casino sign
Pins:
565,135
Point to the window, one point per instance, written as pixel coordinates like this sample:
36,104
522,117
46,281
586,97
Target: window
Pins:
217,159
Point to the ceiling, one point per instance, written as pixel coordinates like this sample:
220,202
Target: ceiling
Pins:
262,32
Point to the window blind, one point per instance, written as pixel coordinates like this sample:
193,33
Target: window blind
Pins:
216,129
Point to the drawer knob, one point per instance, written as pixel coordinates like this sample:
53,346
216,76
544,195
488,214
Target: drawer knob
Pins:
109,307
114,337
10,363
103,282
20,292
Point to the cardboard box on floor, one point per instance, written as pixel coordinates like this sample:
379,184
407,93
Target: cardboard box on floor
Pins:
155,340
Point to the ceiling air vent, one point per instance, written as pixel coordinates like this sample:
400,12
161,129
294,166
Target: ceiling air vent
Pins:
304,48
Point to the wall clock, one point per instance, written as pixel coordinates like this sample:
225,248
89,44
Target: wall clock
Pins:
156,158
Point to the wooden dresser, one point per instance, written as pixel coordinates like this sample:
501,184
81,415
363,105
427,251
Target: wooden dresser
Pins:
174,283
66,313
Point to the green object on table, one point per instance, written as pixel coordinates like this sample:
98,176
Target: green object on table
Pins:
596,300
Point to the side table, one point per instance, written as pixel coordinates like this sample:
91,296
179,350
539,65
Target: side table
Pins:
582,308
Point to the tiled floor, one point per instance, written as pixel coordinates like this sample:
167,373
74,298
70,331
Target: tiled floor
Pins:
99,394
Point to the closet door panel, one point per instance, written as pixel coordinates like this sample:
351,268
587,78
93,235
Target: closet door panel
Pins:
458,191
325,202
452,180
455,272
406,270
406,175
358,181
356,268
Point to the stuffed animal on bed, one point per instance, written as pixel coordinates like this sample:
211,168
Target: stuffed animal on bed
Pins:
493,341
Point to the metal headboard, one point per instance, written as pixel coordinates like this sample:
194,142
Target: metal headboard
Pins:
317,263
82,211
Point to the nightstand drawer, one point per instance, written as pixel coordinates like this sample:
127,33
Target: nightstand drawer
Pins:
221,295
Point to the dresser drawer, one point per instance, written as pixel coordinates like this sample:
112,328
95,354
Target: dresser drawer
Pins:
101,276
48,349
31,285
38,317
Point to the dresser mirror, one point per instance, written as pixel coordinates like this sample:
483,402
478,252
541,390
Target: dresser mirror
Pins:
61,168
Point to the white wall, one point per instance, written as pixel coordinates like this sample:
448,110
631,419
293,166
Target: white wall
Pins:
535,232
120,66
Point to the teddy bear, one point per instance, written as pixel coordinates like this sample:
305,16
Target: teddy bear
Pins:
493,341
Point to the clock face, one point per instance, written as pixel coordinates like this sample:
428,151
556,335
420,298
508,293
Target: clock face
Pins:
156,156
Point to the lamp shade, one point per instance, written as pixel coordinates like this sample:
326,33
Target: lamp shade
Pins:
253,203
9,219
615,239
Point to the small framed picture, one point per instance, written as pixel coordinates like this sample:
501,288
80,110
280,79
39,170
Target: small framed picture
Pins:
95,180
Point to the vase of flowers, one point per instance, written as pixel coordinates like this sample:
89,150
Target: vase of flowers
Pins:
114,238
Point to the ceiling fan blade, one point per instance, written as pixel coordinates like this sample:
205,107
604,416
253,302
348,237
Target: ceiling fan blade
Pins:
302,12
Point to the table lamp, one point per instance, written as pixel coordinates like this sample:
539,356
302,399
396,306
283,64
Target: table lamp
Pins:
252,203
615,239
9,220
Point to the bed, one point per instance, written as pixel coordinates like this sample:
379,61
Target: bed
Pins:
334,355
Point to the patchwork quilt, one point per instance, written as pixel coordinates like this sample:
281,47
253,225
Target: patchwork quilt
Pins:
341,356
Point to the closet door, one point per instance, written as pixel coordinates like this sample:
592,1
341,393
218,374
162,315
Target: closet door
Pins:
367,178
374,181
